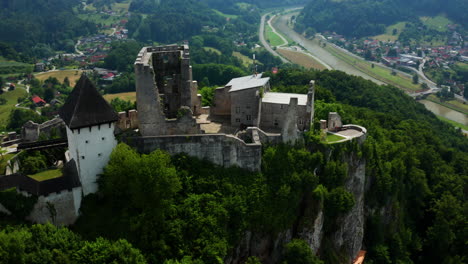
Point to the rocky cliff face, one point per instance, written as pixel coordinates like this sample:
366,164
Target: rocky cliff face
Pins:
346,239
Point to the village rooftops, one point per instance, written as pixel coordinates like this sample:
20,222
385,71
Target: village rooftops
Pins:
284,98
247,82
85,107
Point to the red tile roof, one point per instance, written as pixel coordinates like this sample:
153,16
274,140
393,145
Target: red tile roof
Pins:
36,99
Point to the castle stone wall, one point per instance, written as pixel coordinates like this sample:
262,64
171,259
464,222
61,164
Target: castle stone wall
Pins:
221,149
222,102
66,205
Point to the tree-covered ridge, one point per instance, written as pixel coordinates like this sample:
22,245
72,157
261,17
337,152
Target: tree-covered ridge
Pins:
39,27
360,18
416,169
182,210
50,244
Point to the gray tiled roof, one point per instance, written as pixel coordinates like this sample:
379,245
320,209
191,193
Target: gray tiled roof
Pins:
247,82
283,98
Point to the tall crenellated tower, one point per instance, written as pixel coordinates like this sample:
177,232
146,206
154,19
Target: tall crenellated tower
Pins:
90,122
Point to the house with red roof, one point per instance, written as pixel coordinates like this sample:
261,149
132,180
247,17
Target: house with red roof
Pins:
38,101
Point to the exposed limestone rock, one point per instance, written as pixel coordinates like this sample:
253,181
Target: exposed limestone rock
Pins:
348,238
313,236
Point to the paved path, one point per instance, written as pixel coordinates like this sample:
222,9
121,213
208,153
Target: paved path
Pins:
76,48
285,41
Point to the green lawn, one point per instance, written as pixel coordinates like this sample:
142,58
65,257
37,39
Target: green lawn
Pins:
332,138
3,162
12,99
438,23
47,175
246,61
273,38
377,72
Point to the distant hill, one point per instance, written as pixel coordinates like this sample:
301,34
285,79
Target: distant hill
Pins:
39,26
359,18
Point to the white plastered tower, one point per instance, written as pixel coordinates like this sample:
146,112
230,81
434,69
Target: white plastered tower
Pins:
90,122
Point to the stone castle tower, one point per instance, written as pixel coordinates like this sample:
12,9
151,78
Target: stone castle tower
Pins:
90,123
165,89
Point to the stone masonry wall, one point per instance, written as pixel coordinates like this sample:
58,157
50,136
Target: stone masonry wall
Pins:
221,149
66,205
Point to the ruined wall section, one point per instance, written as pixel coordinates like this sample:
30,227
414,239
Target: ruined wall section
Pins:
150,114
30,131
222,102
128,120
221,149
165,90
64,205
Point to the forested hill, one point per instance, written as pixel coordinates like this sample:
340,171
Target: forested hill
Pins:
168,21
35,27
359,18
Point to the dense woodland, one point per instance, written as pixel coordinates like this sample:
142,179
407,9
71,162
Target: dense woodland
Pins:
158,208
361,18
183,209
39,28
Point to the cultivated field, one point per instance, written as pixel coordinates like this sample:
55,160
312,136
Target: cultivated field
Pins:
73,75
302,59
129,96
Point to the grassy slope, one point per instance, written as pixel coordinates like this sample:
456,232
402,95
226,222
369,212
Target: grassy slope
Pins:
224,15
246,61
388,35
73,75
217,51
12,99
438,23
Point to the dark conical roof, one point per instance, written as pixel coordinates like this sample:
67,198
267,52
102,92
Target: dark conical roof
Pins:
86,107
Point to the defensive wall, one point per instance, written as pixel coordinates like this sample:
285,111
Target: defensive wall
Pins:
61,195
221,149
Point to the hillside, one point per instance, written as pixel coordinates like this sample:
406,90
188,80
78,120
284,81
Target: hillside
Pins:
400,195
360,18
36,28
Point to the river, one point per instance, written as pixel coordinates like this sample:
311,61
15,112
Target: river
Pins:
443,111
313,47
335,63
